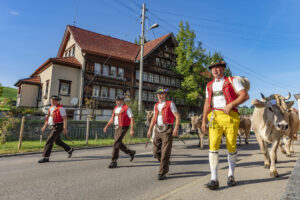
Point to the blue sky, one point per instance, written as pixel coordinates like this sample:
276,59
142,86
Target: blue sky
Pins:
259,39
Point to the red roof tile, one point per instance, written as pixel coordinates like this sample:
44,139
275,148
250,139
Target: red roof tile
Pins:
67,61
32,81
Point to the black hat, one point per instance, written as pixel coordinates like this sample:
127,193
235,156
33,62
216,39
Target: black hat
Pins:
120,97
221,63
161,90
55,97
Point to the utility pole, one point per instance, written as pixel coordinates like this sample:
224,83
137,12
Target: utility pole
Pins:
141,59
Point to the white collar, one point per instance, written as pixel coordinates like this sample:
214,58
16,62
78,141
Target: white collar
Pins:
221,79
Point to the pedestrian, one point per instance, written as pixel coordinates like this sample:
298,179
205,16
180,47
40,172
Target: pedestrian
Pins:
223,95
122,118
164,116
57,121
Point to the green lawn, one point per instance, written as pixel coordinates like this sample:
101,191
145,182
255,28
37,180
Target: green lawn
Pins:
36,146
9,93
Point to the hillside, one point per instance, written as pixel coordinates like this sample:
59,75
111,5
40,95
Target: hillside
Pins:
9,93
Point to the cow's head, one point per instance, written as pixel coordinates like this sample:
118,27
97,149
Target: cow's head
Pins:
275,111
196,120
149,117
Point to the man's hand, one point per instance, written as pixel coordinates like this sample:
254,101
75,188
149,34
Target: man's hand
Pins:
132,132
149,134
203,126
105,129
43,129
175,132
227,108
65,131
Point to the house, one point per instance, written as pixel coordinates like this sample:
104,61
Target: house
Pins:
95,66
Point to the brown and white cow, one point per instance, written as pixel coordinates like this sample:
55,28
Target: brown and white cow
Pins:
244,129
269,121
196,125
148,121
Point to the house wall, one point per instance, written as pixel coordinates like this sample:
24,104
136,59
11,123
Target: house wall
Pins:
28,96
44,76
65,73
78,54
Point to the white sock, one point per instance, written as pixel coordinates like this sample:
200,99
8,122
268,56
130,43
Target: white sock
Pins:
214,163
232,157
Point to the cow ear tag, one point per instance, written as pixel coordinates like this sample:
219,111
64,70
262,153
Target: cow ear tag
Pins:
273,101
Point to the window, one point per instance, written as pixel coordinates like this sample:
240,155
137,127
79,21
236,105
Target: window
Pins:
113,71
157,61
162,80
120,92
163,63
69,52
150,96
155,97
168,81
97,68
121,73
167,55
136,95
145,76
173,64
177,83
112,93
150,77
173,82
169,64
144,96
47,88
137,75
104,92
73,51
105,70
96,91
156,78
64,87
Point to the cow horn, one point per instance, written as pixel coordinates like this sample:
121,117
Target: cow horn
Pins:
262,96
289,96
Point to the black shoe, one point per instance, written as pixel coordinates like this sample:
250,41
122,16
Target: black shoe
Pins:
113,165
230,181
43,160
161,177
70,153
212,185
132,154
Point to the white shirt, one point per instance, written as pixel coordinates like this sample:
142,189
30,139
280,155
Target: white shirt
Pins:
220,101
117,111
62,113
159,107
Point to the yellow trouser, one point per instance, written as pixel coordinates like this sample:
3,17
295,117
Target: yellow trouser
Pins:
223,123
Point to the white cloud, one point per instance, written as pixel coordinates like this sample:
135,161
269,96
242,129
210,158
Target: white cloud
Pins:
15,13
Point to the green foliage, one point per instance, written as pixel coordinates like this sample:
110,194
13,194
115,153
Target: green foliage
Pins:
8,92
138,116
245,110
191,62
25,111
6,126
1,90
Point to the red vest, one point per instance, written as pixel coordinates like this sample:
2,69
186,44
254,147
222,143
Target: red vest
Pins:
167,115
123,118
228,92
55,114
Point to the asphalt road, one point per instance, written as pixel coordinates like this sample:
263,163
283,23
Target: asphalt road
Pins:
86,176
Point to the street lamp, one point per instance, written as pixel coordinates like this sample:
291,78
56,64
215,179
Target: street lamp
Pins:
142,55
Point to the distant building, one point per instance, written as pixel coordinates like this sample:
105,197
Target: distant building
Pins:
92,65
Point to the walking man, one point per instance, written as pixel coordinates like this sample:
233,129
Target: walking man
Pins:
122,118
57,120
164,116
223,95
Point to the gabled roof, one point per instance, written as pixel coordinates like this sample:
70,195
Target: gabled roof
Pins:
31,81
95,43
67,61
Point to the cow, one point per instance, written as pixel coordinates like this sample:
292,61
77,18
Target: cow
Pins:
244,129
196,125
291,134
148,121
270,120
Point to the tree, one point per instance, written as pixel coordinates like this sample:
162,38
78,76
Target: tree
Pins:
191,62
1,90
138,116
